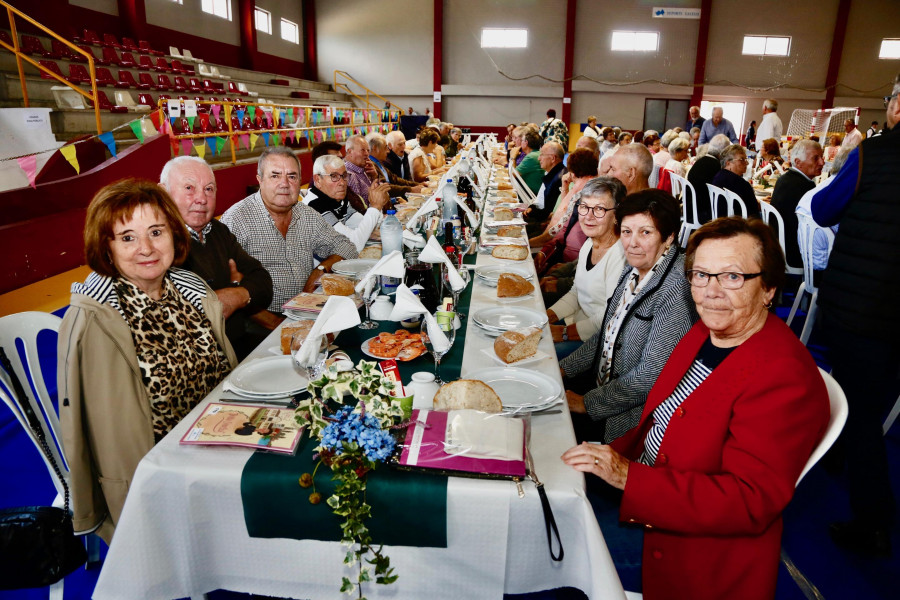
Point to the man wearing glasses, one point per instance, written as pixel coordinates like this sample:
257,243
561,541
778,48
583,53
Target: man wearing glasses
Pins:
858,306
329,196
731,177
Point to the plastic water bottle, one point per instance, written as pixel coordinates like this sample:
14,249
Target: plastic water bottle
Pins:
391,239
448,196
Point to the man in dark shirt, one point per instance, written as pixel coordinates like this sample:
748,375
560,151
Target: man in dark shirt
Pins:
696,120
703,171
397,160
807,160
241,283
731,177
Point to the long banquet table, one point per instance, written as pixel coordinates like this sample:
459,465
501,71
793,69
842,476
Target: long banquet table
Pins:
182,531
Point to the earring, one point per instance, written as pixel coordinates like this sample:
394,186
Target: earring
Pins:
768,305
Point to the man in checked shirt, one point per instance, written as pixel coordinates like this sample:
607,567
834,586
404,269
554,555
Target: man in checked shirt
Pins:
285,235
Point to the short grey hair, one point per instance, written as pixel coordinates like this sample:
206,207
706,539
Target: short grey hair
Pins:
677,144
694,130
557,149
325,161
802,148
639,157
353,140
376,141
650,132
730,153
717,144
702,150
684,135
604,186
771,104
275,151
667,138
838,163
393,136
179,161
456,130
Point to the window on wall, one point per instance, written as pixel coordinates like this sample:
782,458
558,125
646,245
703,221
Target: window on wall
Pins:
220,8
767,45
290,31
504,38
889,49
263,20
178,1
635,41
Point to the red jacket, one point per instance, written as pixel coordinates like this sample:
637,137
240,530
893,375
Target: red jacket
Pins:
726,468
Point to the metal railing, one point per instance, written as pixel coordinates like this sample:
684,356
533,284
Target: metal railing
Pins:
341,86
12,12
307,120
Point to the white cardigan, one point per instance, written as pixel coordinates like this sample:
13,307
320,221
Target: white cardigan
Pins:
585,303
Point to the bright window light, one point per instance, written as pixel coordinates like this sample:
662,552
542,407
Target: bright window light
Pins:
635,41
889,49
290,31
263,20
767,45
178,2
504,38
220,8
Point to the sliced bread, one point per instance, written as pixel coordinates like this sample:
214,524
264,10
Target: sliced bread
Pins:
373,251
467,393
510,285
510,231
503,214
291,328
510,252
513,346
336,285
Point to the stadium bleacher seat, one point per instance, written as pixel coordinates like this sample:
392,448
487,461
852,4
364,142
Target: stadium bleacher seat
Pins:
208,86
90,37
174,53
163,83
32,45
243,88
147,100
145,47
233,89
110,40
78,74
52,66
204,71
178,67
146,81
144,63
194,85
63,51
180,85
127,60
66,97
124,98
188,56
129,44
110,55
104,77
125,76
105,104
162,66
89,50
5,38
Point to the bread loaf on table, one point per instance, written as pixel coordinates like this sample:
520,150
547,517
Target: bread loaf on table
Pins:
513,346
503,214
336,285
510,252
467,393
510,285
289,328
510,231
373,251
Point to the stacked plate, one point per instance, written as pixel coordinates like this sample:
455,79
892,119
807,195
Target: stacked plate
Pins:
353,267
490,274
266,379
496,320
520,390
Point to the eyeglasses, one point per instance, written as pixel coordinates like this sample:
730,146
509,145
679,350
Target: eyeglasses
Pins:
727,280
744,159
887,99
335,177
598,211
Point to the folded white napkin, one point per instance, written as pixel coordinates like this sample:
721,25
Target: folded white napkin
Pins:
413,240
391,265
433,253
469,214
428,206
339,313
407,305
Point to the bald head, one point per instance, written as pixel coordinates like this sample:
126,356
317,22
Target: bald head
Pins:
632,165
590,144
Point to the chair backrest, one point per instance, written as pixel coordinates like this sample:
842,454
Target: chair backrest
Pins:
173,51
51,65
79,73
162,64
124,98
146,79
127,59
32,45
677,187
110,40
232,88
129,43
716,193
104,77
90,37
522,190
145,62
837,402
735,204
204,71
111,55
773,218
125,76
147,100
806,232
188,56
66,97
61,49
164,80
4,37
22,329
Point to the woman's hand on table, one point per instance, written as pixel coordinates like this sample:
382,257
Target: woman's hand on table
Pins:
601,460
575,402
548,284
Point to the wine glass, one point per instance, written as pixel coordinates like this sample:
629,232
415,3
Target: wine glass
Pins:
464,275
368,299
314,371
451,336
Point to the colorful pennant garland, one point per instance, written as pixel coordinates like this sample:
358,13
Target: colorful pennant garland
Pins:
69,153
136,127
29,165
107,138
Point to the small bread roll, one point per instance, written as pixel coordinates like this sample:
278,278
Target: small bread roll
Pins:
467,393
513,346
371,252
503,214
510,285
336,285
510,252
289,329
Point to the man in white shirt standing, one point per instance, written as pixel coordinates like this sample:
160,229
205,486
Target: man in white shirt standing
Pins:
872,131
852,137
771,126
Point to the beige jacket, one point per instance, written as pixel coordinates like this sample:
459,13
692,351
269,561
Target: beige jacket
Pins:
104,409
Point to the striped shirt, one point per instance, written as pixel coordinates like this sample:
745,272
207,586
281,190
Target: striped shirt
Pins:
359,181
707,359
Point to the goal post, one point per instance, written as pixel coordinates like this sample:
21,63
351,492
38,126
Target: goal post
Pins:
821,123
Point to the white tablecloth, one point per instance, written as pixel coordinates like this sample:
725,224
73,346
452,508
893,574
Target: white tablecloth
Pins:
182,530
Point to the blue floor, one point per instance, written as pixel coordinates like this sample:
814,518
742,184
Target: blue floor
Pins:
820,499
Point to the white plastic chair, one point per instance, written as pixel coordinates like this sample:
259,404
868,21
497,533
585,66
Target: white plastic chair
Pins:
174,53
715,193
735,204
66,97
837,402
124,98
205,71
188,56
805,235
217,73
243,87
522,190
773,218
689,220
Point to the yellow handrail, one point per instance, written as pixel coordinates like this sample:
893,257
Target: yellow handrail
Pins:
347,90
307,111
12,12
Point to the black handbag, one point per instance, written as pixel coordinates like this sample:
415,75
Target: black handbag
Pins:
38,545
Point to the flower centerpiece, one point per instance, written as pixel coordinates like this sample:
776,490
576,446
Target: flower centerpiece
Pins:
353,440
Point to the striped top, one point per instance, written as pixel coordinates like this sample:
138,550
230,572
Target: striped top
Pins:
708,358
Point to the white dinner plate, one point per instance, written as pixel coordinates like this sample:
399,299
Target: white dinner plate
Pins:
365,350
269,376
519,388
505,318
490,274
525,361
353,267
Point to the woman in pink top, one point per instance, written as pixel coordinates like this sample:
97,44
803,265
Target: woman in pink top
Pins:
582,168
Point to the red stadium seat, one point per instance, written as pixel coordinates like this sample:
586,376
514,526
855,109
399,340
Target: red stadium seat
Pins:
97,61
127,60
4,37
110,40
144,45
162,66
208,86
110,55
163,83
146,81
52,66
144,63
127,78
194,85
180,84
105,104
178,67
233,89
32,45
147,100
63,51
90,37
78,74
104,77
129,44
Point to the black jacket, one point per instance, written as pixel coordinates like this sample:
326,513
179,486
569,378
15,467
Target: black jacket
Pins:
700,174
789,189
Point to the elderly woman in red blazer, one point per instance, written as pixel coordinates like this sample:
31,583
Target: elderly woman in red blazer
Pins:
724,435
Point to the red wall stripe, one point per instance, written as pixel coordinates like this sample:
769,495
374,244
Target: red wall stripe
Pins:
569,67
438,52
702,43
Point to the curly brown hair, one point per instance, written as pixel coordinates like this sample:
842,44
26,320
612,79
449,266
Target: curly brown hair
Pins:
583,163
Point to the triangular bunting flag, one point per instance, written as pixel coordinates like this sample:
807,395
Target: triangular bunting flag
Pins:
137,130
149,128
291,137
240,115
107,138
215,109
211,142
290,115
252,111
29,165
227,112
191,122
156,119
220,143
269,120
186,147
253,139
265,138
276,117
201,150
275,139
172,121
245,139
175,148
283,138
69,153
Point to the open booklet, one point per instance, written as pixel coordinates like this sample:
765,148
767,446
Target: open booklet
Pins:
271,428
468,443
313,303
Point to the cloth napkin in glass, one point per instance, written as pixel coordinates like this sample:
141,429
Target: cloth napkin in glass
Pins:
407,305
391,265
339,313
433,253
428,206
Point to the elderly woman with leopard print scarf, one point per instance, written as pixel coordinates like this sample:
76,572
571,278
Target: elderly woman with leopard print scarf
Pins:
141,344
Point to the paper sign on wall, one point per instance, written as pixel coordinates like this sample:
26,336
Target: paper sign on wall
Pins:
190,108
665,12
437,96
174,107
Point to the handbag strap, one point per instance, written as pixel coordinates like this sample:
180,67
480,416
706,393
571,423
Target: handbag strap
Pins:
33,423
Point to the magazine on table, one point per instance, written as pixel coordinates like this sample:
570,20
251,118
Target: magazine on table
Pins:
270,428
312,302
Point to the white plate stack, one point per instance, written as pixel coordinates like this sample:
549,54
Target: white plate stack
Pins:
496,320
265,379
490,274
520,390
